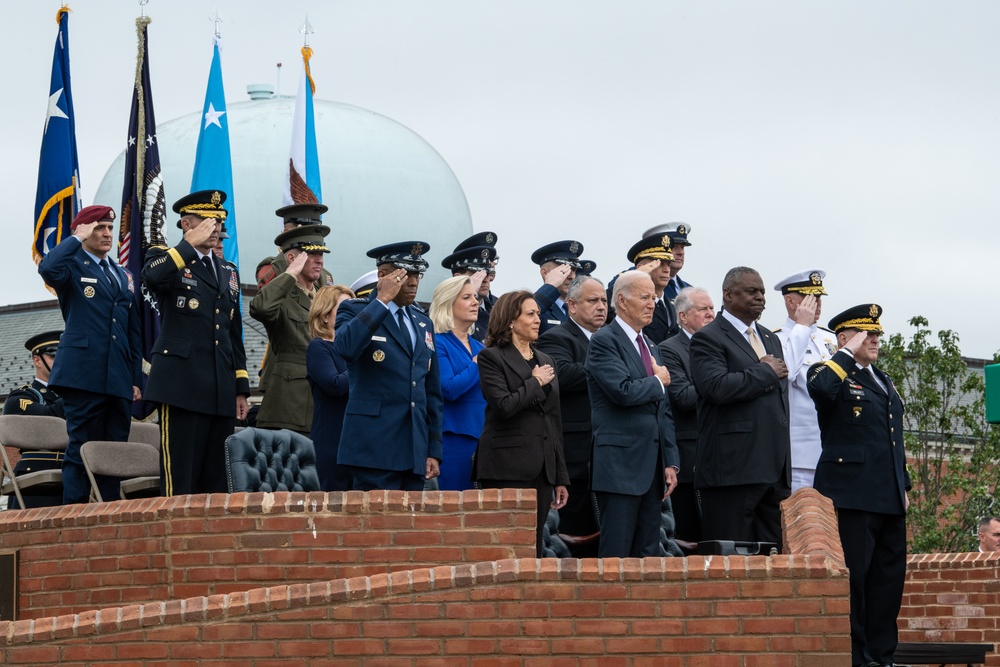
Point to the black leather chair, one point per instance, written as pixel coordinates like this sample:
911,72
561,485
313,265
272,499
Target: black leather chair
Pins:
268,461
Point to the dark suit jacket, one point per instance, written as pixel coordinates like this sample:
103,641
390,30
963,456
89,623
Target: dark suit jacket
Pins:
198,361
664,324
100,350
567,344
676,353
523,430
550,314
742,409
394,415
863,465
630,412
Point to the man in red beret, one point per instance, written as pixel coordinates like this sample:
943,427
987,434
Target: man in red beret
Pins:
98,366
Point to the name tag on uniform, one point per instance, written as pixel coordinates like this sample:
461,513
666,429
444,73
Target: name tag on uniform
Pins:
190,281
378,339
553,322
88,280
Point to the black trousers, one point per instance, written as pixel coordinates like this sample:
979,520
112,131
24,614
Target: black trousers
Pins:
541,485
875,552
747,512
577,516
374,479
630,525
687,512
91,416
192,451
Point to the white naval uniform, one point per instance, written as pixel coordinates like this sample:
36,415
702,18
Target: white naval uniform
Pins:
802,347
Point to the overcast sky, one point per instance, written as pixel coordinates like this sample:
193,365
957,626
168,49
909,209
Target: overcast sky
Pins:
858,137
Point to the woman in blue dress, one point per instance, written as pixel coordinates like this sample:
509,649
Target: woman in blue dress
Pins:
327,374
454,311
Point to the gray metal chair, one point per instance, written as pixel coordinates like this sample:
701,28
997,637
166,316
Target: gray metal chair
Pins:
127,460
36,434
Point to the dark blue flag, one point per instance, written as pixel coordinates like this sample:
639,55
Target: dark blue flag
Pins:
58,196
143,203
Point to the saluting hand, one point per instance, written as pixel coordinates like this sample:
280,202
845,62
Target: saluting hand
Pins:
389,285
200,233
558,275
856,342
477,279
84,231
649,267
296,265
805,312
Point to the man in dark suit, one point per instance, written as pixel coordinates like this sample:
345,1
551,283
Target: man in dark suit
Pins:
557,263
198,372
567,344
394,417
694,310
467,260
742,468
98,367
862,469
635,452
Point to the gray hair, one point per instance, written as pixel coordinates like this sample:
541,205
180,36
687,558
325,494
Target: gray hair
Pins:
685,298
626,282
735,274
576,286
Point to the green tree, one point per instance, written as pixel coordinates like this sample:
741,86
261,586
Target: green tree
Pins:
952,450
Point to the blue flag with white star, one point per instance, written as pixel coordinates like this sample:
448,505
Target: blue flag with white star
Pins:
213,166
57,198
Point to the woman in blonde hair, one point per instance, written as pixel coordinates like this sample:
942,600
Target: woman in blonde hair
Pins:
454,311
327,374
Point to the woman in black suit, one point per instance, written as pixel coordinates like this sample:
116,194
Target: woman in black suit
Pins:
521,445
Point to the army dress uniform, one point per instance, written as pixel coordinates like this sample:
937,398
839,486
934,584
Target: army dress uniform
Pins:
803,347
863,471
665,323
198,364
35,398
282,306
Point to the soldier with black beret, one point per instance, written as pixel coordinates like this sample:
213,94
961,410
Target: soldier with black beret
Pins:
863,471
557,263
198,370
282,306
392,437
36,398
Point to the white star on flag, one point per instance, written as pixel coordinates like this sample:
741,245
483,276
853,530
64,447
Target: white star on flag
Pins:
149,140
54,110
212,116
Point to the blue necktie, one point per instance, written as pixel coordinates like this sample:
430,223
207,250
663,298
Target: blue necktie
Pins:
403,329
112,279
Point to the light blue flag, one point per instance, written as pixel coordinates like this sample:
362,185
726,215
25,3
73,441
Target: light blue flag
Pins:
303,183
213,166
57,198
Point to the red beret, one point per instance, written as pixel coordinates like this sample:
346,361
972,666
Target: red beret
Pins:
92,214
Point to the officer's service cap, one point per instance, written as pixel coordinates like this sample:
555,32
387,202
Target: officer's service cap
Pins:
364,285
203,203
651,247
561,252
803,282
307,238
43,343
480,239
587,267
473,258
862,318
302,214
406,255
678,232
94,213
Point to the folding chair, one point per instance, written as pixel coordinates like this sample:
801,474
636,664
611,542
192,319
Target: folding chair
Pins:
31,433
127,460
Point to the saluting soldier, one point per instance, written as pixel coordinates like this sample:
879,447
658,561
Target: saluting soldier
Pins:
557,263
198,370
652,256
35,398
99,366
863,471
394,419
468,261
282,306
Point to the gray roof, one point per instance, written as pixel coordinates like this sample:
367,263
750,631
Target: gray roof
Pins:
20,322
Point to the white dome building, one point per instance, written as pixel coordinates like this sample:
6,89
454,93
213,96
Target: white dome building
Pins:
382,182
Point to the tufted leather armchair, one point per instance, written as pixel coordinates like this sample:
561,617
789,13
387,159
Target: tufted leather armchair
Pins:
263,460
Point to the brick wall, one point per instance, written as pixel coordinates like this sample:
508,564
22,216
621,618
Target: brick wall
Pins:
735,611
952,598
82,557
